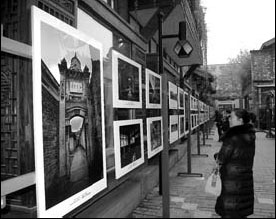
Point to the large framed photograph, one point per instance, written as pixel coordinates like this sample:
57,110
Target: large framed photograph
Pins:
154,135
172,96
181,125
127,82
180,98
173,128
153,90
128,146
69,116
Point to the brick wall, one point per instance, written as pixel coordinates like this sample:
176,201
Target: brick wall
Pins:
50,116
263,64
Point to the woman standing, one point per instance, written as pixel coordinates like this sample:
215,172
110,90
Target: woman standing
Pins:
236,158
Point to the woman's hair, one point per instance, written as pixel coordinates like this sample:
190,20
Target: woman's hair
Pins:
243,114
253,117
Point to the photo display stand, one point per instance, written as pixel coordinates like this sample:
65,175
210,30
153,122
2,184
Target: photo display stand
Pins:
189,147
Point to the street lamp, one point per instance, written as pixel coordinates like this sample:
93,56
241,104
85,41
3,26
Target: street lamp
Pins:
183,49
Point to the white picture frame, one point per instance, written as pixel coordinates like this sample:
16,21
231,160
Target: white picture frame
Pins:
127,85
181,123
154,147
181,98
46,29
125,160
173,96
173,128
153,82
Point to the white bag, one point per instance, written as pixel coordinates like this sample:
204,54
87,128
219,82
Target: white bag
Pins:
213,184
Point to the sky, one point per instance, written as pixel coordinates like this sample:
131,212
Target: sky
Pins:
56,45
234,25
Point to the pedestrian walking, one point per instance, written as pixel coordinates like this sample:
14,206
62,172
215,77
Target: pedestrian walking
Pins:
218,121
236,158
225,121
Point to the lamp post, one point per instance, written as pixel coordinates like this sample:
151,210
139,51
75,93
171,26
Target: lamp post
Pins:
183,49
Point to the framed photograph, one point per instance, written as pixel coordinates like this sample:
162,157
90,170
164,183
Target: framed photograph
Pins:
180,98
69,138
153,90
181,125
172,96
128,146
192,121
173,128
154,135
127,82
191,102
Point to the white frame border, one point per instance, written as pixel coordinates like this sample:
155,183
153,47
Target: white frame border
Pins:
151,153
173,104
119,171
180,90
179,118
148,104
117,103
81,197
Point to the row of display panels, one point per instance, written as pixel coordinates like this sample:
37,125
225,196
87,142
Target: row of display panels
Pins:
69,116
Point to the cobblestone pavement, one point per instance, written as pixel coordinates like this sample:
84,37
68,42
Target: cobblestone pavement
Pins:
187,196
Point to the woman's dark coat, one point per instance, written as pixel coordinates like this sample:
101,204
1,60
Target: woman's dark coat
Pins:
236,158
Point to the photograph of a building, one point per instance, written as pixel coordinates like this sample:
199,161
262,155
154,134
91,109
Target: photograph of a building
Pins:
181,125
128,145
154,135
153,90
173,98
180,98
127,82
173,128
72,117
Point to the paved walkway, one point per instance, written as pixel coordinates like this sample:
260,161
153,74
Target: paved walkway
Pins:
187,196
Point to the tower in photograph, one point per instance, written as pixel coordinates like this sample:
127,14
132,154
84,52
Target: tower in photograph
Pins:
75,120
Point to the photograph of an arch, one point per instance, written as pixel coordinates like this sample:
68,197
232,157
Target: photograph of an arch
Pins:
68,116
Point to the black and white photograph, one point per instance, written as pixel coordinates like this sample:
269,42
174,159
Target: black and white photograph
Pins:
153,90
181,125
108,105
173,128
173,96
68,116
154,135
180,98
128,146
127,82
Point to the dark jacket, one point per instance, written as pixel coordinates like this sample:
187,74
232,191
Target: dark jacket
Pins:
236,158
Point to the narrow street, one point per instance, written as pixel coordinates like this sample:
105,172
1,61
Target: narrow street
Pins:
188,198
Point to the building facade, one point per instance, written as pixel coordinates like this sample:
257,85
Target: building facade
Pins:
263,84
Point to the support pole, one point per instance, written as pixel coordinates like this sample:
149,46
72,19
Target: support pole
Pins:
203,137
165,153
189,146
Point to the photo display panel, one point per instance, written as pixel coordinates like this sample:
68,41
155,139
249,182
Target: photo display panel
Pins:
180,98
181,125
173,128
154,135
153,90
173,97
128,146
68,116
127,82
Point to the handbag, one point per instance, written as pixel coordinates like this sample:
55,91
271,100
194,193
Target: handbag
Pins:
213,184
